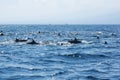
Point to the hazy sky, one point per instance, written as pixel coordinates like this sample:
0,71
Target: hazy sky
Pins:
59,11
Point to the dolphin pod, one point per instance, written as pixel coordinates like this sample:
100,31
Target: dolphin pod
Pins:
72,41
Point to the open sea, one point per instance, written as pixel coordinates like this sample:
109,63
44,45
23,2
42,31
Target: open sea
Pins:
97,57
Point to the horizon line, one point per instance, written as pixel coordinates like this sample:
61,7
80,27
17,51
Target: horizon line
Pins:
54,24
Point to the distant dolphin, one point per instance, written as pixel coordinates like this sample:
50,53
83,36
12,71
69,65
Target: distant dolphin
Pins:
59,34
97,37
32,42
19,40
105,42
1,33
39,32
113,34
75,41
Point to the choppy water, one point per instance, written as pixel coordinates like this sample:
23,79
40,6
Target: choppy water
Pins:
56,59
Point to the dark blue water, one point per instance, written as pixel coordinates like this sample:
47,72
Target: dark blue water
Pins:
54,58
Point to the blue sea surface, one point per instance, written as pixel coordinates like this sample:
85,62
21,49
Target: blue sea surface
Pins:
54,58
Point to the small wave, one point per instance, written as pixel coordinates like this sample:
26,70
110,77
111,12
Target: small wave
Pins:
52,43
7,42
25,77
86,42
6,58
95,56
94,71
12,69
86,56
58,61
64,43
96,34
92,78
20,67
2,52
59,73
72,55
99,33
95,78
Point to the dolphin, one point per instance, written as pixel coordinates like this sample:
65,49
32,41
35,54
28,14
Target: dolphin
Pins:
20,40
32,42
75,41
105,42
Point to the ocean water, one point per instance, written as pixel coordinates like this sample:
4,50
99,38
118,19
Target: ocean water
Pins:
54,58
